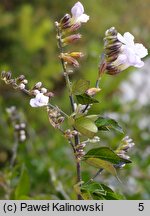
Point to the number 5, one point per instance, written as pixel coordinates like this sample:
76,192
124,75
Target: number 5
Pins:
141,206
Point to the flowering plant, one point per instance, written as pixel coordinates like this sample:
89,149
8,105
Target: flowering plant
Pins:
82,129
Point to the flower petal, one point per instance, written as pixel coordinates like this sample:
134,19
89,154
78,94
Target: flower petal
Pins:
83,18
121,38
32,102
129,38
140,50
77,10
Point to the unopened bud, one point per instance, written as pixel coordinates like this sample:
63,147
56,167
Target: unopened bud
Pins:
69,60
8,75
71,39
21,78
38,85
49,94
25,81
3,74
92,91
43,90
22,86
35,92
76,54
22,125
74,27
60,120
65,21
22,137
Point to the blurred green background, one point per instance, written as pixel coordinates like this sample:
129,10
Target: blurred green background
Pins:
28,46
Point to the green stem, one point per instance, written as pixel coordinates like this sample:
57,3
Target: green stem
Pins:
68,83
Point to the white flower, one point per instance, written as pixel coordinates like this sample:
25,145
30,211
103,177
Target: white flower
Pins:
131,53
39,100
78,13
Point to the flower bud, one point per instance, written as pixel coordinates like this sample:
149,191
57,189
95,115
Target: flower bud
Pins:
74,27
50,94
43,90
71,39
65,22
8,75
68,59
3,74
21,78
76,54
92,91
22,86
38,85
25,81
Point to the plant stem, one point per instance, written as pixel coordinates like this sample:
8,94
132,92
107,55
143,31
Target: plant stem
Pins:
92,179
68,83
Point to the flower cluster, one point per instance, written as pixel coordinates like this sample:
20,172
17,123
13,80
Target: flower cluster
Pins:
121,52
67,25
41,94
125,145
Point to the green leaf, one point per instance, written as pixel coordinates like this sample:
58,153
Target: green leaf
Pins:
105,153
86,127
96,191
80,86
86,99
23,186
107,124
98,163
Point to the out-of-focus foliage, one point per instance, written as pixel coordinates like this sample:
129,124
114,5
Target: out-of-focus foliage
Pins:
28,46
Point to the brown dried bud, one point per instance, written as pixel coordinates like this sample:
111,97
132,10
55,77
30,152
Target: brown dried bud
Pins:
68,59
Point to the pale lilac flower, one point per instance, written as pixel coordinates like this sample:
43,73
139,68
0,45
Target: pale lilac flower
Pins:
78,14
39,100
121,52
131,53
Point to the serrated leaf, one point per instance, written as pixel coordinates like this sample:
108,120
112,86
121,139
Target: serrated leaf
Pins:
107,124
80,86
23,186
86,127
105,153
98,163
86,99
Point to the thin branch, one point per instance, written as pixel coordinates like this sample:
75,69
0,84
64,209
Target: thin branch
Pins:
92,179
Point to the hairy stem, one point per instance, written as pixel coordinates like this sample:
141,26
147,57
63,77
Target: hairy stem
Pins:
68,83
